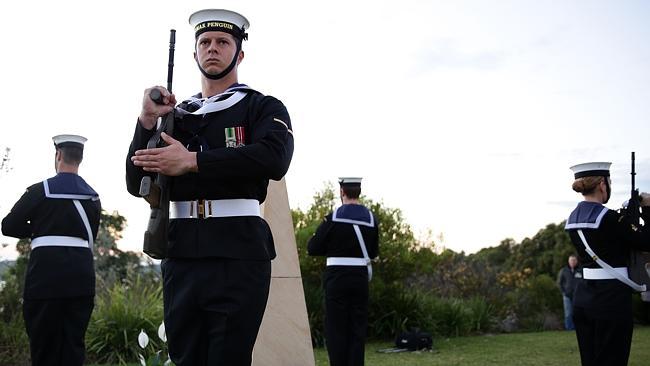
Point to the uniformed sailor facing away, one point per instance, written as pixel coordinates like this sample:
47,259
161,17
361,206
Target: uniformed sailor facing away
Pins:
229,140
61,217
603,238
348,236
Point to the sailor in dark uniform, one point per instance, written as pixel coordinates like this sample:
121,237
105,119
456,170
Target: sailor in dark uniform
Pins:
61,217
229,140
348,236
603,239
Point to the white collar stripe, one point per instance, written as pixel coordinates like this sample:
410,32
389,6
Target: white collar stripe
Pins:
66,196
588,225
349,221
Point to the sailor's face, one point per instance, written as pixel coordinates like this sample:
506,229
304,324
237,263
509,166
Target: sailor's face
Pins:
214,51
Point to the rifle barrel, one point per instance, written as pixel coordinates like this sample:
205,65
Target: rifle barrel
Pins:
170,64
633,173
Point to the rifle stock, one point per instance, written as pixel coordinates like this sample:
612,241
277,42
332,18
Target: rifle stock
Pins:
156,193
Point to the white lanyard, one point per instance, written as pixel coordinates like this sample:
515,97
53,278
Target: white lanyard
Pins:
362,244
608,268
84,218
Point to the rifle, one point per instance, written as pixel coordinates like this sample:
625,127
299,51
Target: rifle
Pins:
634,204
639,263
157,193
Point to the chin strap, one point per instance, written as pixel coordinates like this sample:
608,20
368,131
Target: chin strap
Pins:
609,190
224,72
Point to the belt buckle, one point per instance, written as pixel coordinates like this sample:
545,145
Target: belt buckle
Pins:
203,209
200,209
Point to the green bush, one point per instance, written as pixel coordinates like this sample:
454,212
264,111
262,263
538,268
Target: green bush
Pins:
120,313
395,311
452,318
481,314
14,345
534,301
391,310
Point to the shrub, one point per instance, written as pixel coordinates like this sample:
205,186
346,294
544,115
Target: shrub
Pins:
452,318
120,313
391,310
534,301
14,345
481,314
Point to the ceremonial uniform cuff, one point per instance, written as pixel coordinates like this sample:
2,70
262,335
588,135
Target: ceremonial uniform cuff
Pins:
151,131
142,135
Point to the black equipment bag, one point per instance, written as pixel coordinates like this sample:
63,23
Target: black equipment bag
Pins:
414,340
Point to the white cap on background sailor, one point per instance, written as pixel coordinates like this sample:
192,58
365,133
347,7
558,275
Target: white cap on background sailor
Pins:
220,20
350,181
594,169
69,140
69,186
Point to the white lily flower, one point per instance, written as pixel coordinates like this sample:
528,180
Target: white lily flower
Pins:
142,361
143,339
161,332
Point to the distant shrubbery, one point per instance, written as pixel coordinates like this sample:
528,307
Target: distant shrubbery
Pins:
510,287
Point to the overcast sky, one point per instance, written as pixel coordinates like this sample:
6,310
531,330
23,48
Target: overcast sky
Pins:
464,114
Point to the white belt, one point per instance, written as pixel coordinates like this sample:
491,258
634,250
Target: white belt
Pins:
59,241
345,261
201,209
602,274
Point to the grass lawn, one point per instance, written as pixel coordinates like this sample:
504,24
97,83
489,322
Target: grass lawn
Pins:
521,349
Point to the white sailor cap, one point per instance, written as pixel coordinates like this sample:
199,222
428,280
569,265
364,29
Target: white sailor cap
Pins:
220,20
350,181
69,140
594,169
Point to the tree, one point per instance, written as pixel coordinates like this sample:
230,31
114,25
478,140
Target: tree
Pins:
545,253
111,263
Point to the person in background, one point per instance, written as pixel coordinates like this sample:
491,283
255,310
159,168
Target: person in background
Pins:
349,238
567,279
61,217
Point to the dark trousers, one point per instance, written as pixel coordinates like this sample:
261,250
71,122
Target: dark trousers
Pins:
213,309
346,317
602,341
56,330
